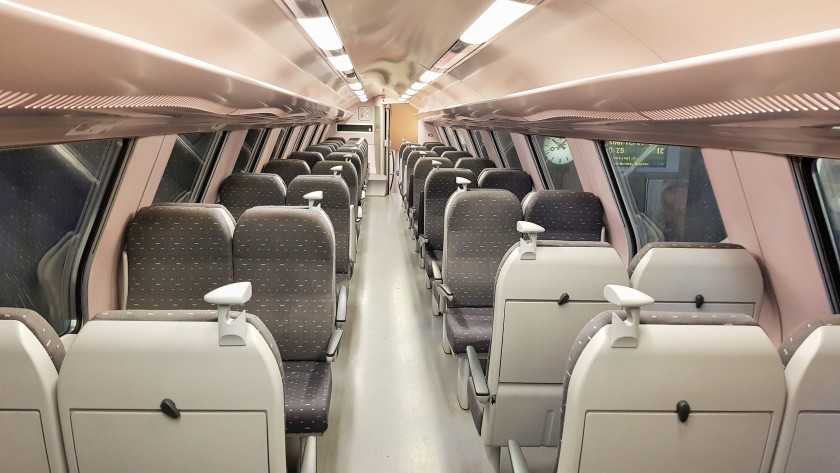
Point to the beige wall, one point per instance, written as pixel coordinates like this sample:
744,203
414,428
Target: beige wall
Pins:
404,119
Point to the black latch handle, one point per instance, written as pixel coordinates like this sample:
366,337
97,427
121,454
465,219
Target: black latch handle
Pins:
168,407
683,411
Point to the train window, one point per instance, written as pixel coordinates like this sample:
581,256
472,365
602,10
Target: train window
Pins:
189,167
280,144
666,192
306,137
507,150
249,153
555,162
478,144
459,135
443,137
485,145
453,141
821,182
51,197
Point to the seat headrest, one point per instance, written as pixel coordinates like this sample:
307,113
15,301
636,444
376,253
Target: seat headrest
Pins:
514,180
285,224
424,166
565,215
240,192
323,150
798,337
309,157
42,330
336,192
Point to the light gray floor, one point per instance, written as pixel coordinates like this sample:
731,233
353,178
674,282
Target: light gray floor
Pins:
393,401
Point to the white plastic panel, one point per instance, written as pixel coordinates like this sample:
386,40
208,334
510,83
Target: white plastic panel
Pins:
146,437
22,446
645,442
814,445
529,413
709,308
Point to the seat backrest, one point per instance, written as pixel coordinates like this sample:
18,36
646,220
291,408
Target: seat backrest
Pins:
29,423
141,381
330,144
565,215
348,173
811,355
344,156
532,333
699,277
239,192
336,138
337,205
287,169
410,162
516,181
311,158
404,146
454,156
177,253
440,185
480,227
422,169
697,393
476,165
359,152
442,149
323,150
408,149
288,254
430,145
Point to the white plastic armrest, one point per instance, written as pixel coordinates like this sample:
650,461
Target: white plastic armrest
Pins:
333,344
517,458
233,294
528,242
363,195
359,214
232,332
482,392
341,311
626,297
336,170
462,182
625,333
309,455
436,164
436,274
444,291
123,281
314,198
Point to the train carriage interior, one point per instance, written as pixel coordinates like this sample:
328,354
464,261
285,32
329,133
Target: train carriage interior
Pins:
474,236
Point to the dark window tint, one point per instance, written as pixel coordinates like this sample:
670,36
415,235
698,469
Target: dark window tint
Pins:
459,134
480,148
188,167
249,153
50,198
444,138
280,144
453,141
822,178
556,163
507,150
666,192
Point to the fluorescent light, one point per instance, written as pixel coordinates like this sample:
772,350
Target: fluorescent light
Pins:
363,99
496,18
356,86
418,86
429,76
359,92
410,92
342,63
403,100
322,31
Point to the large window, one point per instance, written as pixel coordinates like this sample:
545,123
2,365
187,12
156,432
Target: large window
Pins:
556,164
822,182
443,137
459,135
666,192
249,154
280,144
453,141
306,137
507,150
189,166
51,197
480,149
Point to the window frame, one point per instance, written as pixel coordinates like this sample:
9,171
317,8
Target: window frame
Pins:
473,135
442,135
540,164
256,152
205,174
282,141
453,139
502,158
299,138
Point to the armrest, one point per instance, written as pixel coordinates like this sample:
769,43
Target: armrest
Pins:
332,346
309,455
436,273
444,291
423,239
341,309
517,458
482,392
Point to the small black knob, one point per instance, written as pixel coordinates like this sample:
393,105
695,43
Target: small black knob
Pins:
563,299
699,301
683,411
168,407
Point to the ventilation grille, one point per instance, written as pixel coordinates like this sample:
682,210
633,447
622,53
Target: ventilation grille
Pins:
553,114
770,104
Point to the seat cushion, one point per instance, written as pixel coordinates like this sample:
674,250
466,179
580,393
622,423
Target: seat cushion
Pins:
476,408
432,255
469,326
307,387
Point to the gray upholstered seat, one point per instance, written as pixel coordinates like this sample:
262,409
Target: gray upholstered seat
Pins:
422,169
410,163
442,149
348,173
404,169
336,138
288,255
308,389
476,165
440,186
430,145
455,156
329,144
287,169
514,180
311,158
322,150
565,215
242,191
344,156
469,326
177,253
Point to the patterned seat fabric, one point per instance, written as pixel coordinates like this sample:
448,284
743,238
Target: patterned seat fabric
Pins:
565,215
336,138
439,188
42,330
514,180
480,227
476,165
410,164
343,156
307,387
429,256
287,169
422,169
348,173
329,144
311,158
336,203
430,145
322,150
798,337
177,253
455,156
240,192
442,149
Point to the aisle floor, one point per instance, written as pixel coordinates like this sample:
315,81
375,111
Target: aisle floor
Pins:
393,402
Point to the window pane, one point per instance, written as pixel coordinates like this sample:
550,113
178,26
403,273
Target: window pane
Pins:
247,154
479,145
555,157
508,150
666,191
187,167
280,144
827,179
485,140
452,140
443,137
459,134
50,196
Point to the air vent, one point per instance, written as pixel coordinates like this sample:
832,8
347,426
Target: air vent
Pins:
14,99
554,114
816,102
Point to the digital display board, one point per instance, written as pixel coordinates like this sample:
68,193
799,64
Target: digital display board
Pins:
627,154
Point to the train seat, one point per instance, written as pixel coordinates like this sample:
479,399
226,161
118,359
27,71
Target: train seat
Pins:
546,291
287,169
311,158
430,145
442,149
422,169
323,150
669,391
338,139
175,254
239,192
348,173
480,227
362,155
565,215
699,277
329,144
807,441
288,254
345,156
32,357
338,206
410,163
404,154
514,180
454,156
476,165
